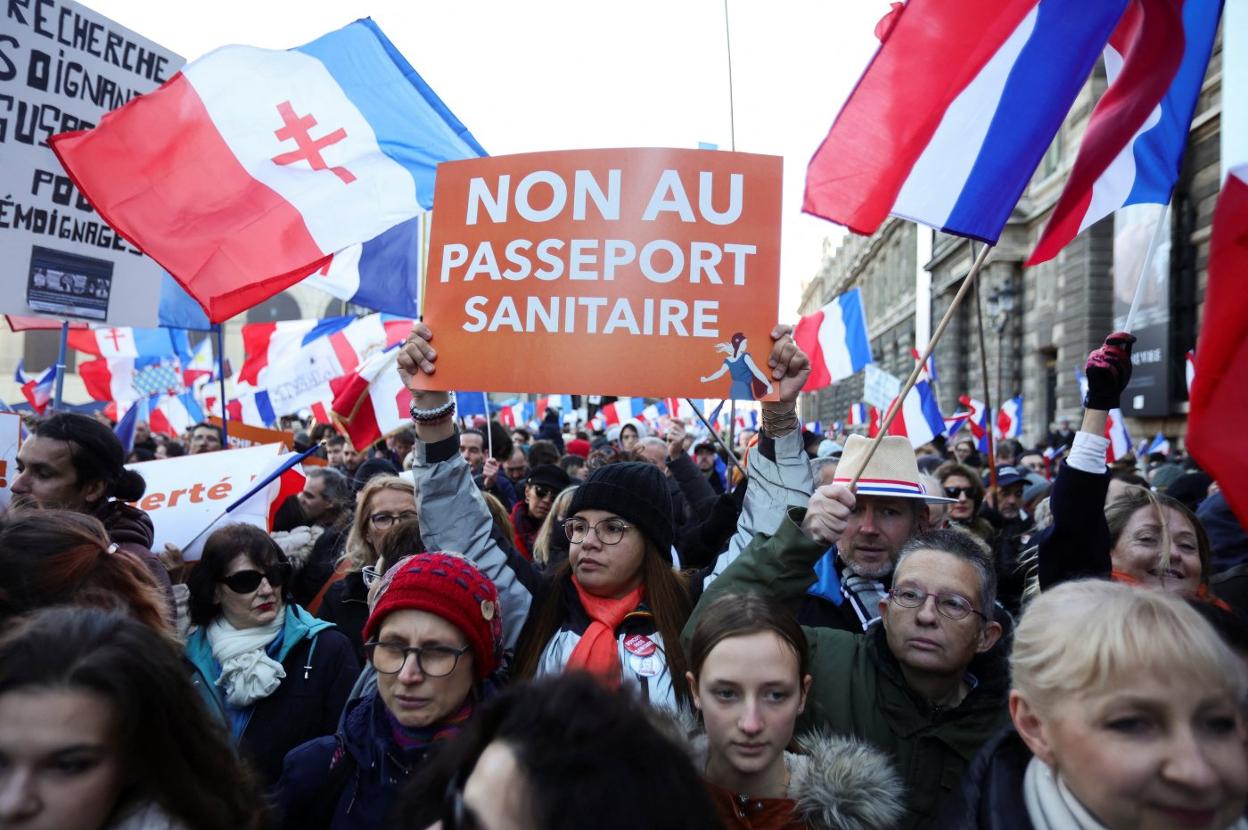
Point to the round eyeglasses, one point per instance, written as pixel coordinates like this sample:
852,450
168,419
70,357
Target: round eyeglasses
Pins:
953,606
385,521
609,531
431,661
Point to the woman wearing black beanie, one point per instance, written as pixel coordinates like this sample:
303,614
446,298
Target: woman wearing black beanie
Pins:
616,607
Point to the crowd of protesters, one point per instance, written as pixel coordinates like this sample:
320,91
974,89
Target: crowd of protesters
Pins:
467,626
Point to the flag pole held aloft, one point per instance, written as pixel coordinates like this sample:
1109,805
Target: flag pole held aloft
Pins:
918,366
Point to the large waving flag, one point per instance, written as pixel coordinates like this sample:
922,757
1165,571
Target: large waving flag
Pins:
372,401
955,111
382,274
1133,147
251,167
1219,397
835,339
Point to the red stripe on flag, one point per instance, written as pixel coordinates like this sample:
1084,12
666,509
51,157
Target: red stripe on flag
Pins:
1148,69
345,352
1216,435
932,53
806,336
256,339
159,173
97,378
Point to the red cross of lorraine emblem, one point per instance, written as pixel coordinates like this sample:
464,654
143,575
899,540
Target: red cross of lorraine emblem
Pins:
297,127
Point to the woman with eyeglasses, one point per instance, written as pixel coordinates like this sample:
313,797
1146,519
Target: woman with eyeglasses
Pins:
435,639
384,501
616,607
275,674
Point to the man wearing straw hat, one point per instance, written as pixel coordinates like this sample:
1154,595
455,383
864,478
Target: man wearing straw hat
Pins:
926,684
891,508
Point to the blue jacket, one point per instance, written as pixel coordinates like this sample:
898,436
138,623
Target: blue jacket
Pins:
320,666
349,780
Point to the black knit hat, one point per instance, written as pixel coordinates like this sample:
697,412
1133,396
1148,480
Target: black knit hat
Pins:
636,492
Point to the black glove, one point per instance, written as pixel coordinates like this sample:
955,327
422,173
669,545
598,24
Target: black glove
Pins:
1109,371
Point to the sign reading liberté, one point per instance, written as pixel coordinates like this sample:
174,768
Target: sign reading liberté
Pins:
641,272
62,67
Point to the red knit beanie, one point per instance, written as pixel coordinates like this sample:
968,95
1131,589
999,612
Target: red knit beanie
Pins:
451,587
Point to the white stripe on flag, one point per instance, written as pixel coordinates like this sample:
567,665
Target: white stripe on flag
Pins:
936,181
832,342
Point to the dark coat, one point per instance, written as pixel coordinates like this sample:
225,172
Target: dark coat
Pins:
991,794
1077,544
320,565
347,780
131,530
320,670
346,606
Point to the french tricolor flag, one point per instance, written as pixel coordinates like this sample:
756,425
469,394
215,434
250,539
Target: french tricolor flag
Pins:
955,111
1133,147
835,339
1160,444
173,414
1010,418
250,168
252,408
978,421
857,415
372,401
37,391
339,343
1119,437
920,418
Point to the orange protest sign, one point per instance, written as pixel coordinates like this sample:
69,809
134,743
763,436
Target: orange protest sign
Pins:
641,272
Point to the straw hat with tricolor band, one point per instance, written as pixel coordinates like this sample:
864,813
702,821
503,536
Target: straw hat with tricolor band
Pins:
891,472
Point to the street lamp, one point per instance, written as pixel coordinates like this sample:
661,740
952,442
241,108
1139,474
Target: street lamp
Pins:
1000,307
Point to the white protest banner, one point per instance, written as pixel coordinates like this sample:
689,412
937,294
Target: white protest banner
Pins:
188,494
10,438
62,66
879,387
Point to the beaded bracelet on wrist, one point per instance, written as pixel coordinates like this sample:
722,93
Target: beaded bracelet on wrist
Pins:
435,415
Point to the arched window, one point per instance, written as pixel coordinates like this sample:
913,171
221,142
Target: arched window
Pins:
275,309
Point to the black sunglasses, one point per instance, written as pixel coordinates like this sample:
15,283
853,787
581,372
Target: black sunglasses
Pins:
244,582
955,492
542,491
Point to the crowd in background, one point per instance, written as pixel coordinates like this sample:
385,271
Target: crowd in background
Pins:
467,626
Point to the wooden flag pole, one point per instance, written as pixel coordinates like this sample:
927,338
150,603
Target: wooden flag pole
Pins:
983,365
922,361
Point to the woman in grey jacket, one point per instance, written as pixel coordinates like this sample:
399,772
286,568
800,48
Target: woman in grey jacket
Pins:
617,603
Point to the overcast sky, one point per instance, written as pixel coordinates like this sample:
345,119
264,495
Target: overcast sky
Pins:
565,74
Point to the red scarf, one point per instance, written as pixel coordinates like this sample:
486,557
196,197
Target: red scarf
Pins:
1202,593
597,652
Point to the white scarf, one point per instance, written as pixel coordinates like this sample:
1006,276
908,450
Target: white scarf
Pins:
1050,804
247,672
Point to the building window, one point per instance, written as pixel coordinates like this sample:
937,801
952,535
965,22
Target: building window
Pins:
275,309
1052,161
39,351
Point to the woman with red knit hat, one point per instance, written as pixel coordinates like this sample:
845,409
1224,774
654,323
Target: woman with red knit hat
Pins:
435,639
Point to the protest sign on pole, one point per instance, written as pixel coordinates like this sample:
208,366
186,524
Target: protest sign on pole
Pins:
62,66
639,272
879,387
10,438
188,494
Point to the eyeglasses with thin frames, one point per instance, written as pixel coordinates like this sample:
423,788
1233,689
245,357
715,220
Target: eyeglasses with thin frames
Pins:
608,531
369,574
431,661
952,606
384,521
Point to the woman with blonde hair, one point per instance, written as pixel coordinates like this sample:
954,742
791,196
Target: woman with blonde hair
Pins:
384,501
1128,713
551,545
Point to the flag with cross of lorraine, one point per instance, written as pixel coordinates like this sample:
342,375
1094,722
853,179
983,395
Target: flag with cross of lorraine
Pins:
251,168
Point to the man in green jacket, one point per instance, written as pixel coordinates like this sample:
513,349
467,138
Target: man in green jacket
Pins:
925,684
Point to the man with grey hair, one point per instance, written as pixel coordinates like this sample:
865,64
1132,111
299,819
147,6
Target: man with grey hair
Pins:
924,684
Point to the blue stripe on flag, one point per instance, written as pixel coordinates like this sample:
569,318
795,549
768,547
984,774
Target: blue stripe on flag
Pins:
1049,72
326,327
856,339
177,309
931,408
411,123
1159,152
390,271
265,407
